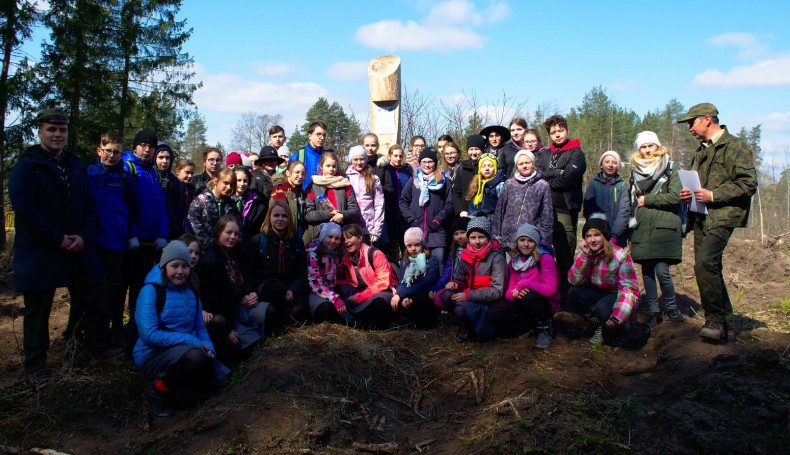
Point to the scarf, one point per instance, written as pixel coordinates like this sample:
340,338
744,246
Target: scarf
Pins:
426,184
521,263
522,179
648,171
417,266
481,182
331,181
473,256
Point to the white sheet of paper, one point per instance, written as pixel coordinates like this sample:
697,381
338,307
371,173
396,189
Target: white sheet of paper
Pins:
690,180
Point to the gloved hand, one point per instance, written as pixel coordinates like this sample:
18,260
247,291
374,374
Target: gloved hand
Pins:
160,243
133,244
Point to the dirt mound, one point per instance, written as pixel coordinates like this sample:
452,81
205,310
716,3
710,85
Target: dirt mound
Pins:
331,389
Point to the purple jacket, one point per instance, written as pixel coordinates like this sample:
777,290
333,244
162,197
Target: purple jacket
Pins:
521,203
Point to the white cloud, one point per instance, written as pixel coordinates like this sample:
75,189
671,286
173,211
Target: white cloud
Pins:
750,46
231,93
348,71
774,72
272,68
448,26
776,121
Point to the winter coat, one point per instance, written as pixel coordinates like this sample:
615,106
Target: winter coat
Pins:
252,208
205,211
174,203
263,183
491,192
485,282
344,200
371,204
506,158
114,192
187,196
727,169
543,280
152,220
218,293
393,183
200,182
564,170
377,276
617,275
322,271
431,217
609,195
422,284
658,235
463,178
519,203
282,259
45,211
180,322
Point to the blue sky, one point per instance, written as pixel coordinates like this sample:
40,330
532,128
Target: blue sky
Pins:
279,57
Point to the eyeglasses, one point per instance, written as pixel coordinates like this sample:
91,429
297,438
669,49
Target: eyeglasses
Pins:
531,142
419,146
319,134
111,152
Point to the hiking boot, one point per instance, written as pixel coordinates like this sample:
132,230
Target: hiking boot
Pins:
544,339
462,335
674,315
39,377
155,400
597,337
653,319
713,330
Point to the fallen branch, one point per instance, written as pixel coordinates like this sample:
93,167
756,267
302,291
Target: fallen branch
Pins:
387,447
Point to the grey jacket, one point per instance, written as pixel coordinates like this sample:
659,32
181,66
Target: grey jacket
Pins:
520,203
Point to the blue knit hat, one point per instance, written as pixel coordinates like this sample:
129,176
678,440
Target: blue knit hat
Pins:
528,230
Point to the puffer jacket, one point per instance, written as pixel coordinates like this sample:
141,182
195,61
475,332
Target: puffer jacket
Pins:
564,170
371,204
519,203
609,195
345,201
114,192
152,220
181,320
483,282
542,279
430,218
377,276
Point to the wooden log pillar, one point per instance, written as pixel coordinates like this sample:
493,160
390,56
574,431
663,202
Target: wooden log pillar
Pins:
384,80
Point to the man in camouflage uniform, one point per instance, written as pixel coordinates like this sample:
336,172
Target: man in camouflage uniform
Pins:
727,175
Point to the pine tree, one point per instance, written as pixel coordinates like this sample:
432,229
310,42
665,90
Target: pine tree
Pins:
343,131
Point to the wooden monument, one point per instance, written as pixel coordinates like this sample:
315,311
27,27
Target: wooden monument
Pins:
384,80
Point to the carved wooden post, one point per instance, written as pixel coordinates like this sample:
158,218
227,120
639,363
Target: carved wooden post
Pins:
384,80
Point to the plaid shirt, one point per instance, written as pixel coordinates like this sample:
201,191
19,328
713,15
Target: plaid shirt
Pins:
617,274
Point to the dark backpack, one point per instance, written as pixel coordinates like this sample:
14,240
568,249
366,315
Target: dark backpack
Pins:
131,333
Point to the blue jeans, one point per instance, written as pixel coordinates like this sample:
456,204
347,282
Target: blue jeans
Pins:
590,301
650,271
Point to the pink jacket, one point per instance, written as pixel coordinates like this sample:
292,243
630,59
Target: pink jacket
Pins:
544,282
378,276
371,204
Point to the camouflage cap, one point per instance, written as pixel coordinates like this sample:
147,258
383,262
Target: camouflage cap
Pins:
55,116
699,110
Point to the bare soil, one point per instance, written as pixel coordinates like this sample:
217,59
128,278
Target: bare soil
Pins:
332,390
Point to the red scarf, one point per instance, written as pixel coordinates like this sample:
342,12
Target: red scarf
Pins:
473,257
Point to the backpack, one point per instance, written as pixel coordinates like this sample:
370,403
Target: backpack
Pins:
131,333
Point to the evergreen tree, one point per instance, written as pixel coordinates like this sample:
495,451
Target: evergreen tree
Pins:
194,139
343,131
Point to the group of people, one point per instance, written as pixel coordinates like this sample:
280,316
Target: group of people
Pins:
216,261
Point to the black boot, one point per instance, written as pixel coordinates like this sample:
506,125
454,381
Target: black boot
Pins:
155,400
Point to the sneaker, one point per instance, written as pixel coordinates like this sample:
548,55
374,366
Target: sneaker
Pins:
39,377
544,339
155,400
597,337
674,315
712,330
653,319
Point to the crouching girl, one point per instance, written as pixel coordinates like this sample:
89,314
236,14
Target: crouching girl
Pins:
603,284
420,271
477,282
174,350
531,291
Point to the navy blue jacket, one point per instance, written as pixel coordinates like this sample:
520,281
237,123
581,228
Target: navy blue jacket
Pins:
423,283
152,222
431,217
44,211
114,194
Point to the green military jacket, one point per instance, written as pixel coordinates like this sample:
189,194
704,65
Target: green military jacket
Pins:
727,169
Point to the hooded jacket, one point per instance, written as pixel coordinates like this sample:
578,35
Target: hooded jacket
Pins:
114,192
564,170
610,196
371,204
180,322
152,215
205,211
519,203
378,276
543,280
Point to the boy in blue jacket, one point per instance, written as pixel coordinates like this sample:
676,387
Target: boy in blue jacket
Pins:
114,191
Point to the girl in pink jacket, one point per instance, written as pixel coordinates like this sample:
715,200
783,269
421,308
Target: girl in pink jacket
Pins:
531,291
370,196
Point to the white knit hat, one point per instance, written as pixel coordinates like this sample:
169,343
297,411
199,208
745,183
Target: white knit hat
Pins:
609,153
647,137
284,151
356,150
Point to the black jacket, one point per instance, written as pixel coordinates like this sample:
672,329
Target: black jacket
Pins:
564,170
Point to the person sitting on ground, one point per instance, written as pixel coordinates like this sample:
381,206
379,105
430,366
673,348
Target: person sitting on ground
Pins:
607,193
326,301
531,291
603,282
418,271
